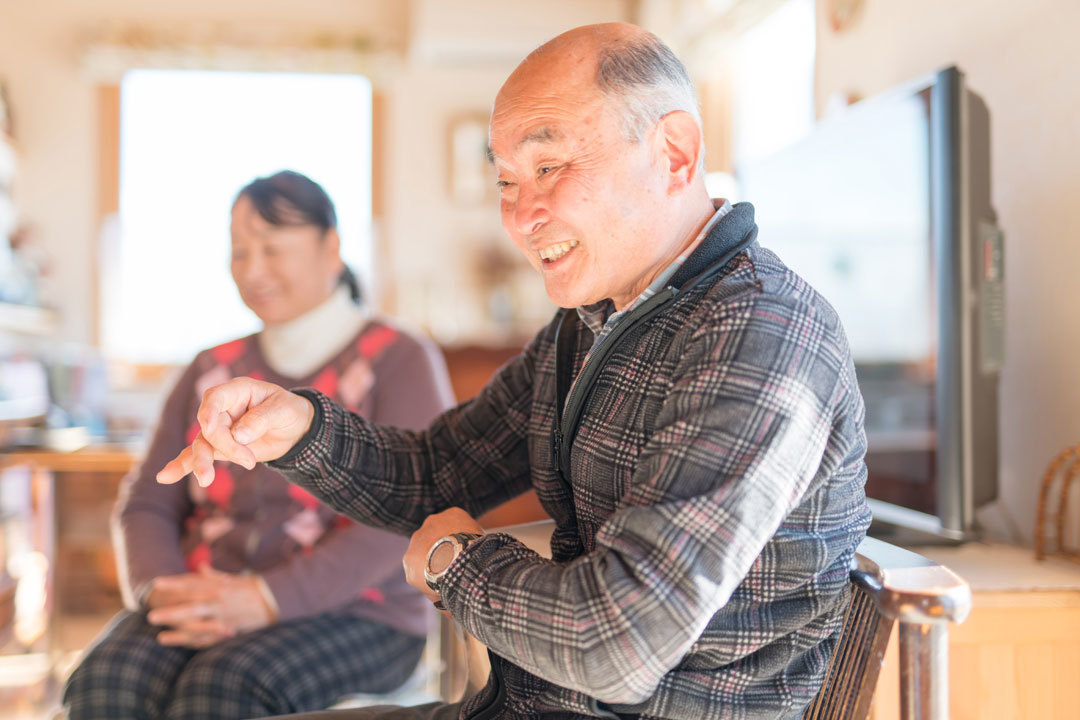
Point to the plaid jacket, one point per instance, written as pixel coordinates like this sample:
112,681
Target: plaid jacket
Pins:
700,560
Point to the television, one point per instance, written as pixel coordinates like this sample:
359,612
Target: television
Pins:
885,209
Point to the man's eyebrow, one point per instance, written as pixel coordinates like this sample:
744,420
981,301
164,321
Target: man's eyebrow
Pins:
540,135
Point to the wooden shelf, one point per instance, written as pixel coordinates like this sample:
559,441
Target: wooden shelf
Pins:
92,459
26,320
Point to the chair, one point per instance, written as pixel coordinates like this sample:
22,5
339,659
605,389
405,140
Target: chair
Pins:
1050,537
888,585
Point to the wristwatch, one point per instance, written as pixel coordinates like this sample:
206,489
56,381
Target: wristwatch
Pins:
443,554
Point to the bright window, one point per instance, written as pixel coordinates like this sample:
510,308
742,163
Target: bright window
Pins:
773,94
189,141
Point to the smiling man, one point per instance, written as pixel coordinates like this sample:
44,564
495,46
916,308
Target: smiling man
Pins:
691,421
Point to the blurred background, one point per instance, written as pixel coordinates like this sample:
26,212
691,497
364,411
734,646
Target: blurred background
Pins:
126,128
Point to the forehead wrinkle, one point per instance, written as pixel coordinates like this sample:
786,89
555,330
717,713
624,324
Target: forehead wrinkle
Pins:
549,114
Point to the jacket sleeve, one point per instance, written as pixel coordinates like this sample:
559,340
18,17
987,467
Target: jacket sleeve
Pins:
148,517
473,456
411,388
743,432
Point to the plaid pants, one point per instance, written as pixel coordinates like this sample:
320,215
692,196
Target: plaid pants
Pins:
295,666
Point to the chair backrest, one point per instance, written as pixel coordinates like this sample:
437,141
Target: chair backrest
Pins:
1062,475
853,671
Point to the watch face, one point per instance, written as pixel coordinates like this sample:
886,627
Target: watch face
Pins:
441,557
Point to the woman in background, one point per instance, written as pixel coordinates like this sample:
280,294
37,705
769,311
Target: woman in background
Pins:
250,598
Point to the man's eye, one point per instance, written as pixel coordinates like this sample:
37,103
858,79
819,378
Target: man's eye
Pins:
545,170
503,184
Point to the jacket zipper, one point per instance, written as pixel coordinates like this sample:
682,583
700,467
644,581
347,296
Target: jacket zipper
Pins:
569,417
566,430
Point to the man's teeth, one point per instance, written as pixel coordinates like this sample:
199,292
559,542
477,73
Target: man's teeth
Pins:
554,252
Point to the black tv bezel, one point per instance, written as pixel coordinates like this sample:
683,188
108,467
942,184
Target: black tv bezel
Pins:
966,476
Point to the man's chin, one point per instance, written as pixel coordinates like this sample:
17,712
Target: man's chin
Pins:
566,298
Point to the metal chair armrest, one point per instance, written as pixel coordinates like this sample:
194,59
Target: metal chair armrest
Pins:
923,597
910,588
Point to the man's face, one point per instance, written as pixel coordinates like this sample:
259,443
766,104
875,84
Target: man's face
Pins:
581,201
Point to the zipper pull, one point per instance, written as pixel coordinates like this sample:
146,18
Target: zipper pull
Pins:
556,451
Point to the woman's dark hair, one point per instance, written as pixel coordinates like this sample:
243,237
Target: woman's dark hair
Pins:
288,198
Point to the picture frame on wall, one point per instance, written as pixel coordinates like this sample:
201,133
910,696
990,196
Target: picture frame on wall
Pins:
472,181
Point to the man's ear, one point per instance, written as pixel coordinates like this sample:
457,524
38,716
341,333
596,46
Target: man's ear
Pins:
680,138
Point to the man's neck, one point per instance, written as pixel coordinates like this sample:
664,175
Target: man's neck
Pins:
704,214
693,221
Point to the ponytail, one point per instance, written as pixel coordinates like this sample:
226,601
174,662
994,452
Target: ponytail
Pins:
348,279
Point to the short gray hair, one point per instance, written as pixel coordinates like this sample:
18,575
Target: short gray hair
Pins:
647,78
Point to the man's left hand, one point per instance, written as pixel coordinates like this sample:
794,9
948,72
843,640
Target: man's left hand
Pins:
435,527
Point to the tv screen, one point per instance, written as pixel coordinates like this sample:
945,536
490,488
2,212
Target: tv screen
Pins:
885,210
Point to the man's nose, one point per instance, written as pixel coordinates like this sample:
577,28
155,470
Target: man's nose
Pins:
531,210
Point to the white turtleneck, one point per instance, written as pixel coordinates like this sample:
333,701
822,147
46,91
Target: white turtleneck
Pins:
300,346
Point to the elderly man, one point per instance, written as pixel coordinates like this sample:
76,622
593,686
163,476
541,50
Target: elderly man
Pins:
692,423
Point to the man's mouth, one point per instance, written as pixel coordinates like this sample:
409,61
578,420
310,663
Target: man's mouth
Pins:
553,252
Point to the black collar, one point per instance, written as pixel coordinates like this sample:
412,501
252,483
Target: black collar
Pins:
734,229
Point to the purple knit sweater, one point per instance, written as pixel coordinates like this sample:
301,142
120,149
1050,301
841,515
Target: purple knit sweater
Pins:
312,558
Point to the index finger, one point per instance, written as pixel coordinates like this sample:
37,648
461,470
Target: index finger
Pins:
177,468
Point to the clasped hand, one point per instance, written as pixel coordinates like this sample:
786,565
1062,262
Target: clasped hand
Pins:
242,421
203,608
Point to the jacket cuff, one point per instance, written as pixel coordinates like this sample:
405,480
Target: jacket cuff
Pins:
312,438
467,573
